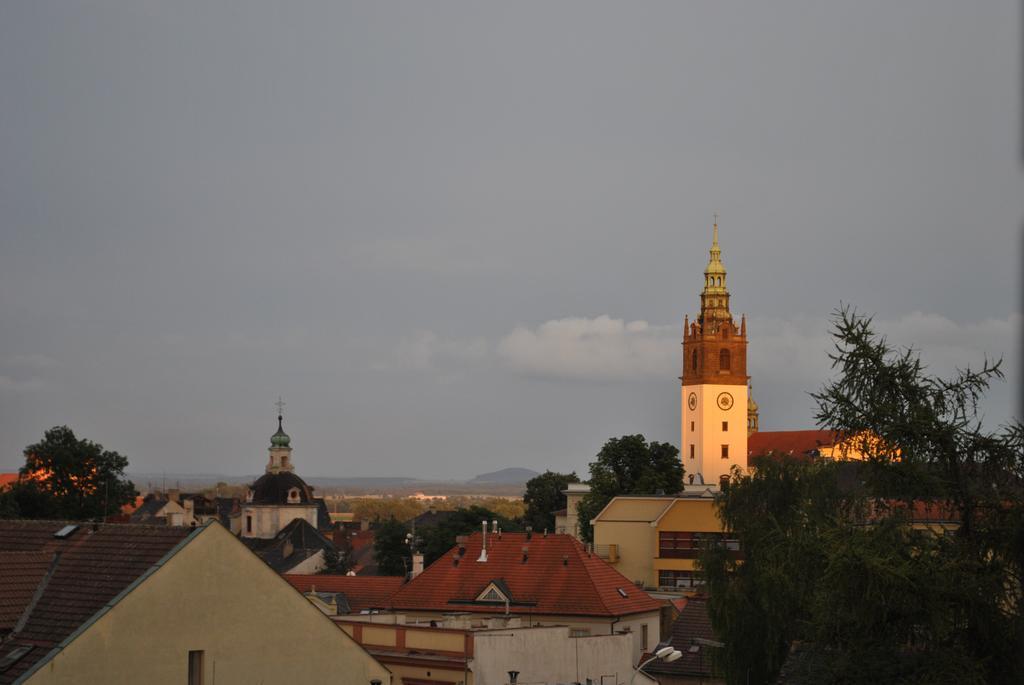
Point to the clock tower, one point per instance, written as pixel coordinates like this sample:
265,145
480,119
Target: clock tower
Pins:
714,393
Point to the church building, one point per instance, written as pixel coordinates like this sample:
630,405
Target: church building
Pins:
717,411
279,496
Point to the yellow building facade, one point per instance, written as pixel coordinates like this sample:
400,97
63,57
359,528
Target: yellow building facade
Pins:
213,598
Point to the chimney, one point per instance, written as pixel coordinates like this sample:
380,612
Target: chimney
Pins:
529,532
417,564
565,560
483,548
526,553
494,526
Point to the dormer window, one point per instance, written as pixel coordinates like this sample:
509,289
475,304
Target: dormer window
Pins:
293,495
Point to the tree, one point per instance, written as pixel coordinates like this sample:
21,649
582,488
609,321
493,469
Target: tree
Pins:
67,478
436,540
629,466
544,497
834,557
391,548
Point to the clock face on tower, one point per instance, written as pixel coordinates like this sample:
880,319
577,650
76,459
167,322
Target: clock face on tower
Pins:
691,401
725,401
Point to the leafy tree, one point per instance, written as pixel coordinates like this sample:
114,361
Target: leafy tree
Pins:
338,562
67,478
436,540
391,548
833,558
629,466
544,497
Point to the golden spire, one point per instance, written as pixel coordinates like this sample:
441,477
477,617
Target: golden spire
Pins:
714,299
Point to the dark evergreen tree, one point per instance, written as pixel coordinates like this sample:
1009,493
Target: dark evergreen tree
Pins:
391,547
835,558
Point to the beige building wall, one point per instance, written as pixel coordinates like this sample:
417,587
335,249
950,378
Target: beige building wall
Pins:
693,516
216,596
268,520
704,408
624,536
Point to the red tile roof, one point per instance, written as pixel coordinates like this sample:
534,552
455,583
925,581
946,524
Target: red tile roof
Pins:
581,585
7,478
94,567
797,443
362,592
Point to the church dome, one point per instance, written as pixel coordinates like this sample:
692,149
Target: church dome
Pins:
751,404
281,488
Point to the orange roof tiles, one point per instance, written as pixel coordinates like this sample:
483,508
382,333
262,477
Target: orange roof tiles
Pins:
7,479
362,592
797,443
558,577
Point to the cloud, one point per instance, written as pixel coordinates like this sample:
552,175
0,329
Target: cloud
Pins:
600,348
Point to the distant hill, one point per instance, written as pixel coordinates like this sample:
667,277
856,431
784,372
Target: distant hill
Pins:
513,475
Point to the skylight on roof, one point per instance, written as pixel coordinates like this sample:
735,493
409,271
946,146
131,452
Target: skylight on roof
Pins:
66,531
622,591
12,656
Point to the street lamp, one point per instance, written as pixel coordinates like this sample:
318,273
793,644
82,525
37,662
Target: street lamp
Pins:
667,654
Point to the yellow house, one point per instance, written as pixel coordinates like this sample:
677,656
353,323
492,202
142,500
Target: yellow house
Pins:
654,540
158,604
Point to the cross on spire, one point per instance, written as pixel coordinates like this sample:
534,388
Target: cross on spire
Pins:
280,406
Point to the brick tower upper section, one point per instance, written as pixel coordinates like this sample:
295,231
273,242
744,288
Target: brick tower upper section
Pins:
714,347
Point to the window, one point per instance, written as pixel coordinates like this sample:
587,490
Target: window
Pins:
724,361
248,523
195,667
643,637
691,451
677,579
293,495
692,426
694,360
725,426
677,545
725,451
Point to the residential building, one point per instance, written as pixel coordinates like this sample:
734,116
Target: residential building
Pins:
297,548
655,540
115,603
541,579
471,650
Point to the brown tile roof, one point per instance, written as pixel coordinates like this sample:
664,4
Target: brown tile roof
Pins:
95,565
559,577
797,443
362,592
20,574
693,623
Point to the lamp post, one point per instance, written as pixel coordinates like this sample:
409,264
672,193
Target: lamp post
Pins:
667,654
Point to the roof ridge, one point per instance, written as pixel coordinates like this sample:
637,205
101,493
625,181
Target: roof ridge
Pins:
37,595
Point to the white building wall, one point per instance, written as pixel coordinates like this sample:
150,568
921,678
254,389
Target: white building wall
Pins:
550,655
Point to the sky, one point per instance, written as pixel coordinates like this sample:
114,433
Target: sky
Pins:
458,237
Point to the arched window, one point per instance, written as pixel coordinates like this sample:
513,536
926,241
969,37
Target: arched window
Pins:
724,361
719,280
694,363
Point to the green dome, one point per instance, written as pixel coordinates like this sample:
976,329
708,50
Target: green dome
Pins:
280,438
